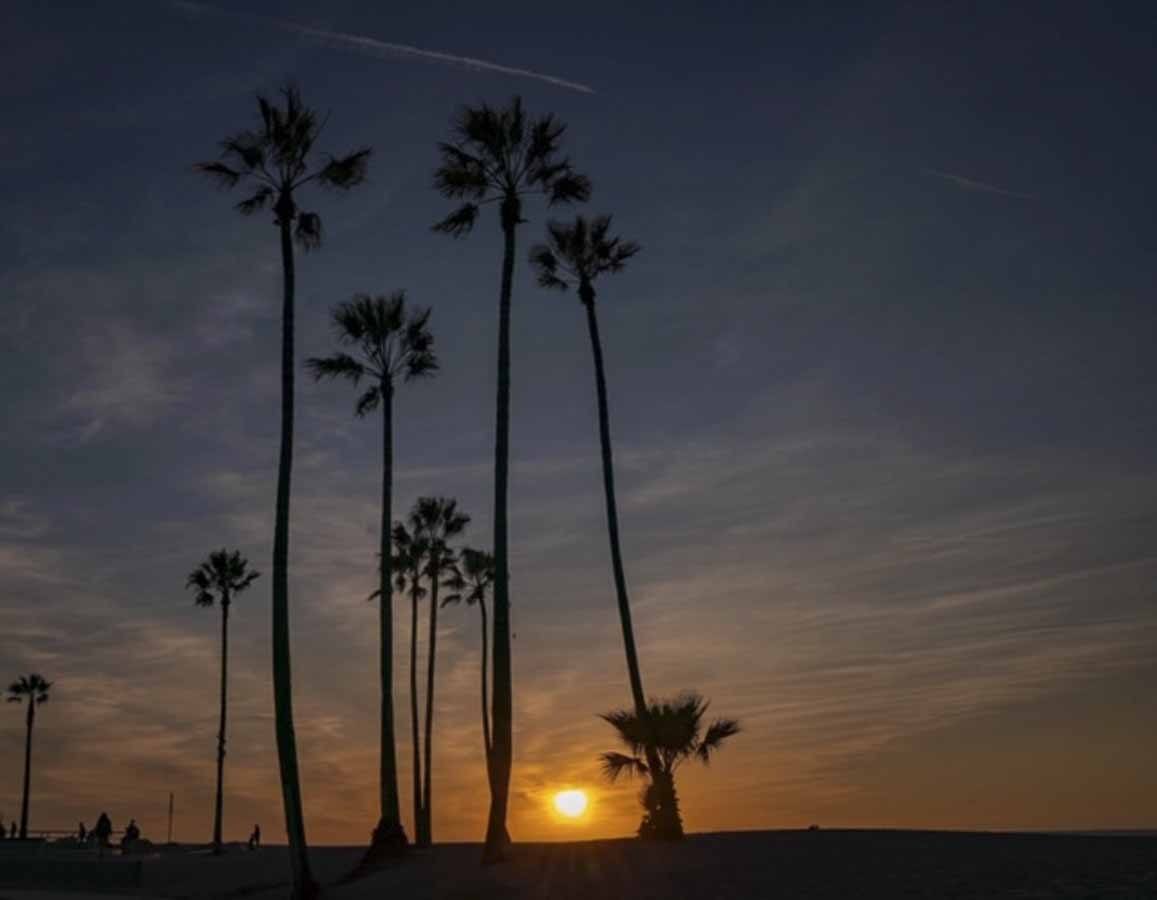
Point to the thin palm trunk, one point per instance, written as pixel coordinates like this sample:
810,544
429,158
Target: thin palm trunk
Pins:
303,884
29,721
502,753
431,658
218,808
664,817
389,832
417,747
485,694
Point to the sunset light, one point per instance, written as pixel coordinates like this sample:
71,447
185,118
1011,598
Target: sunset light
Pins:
571,804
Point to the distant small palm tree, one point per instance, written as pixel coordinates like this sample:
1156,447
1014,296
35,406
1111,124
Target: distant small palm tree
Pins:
409,562
502,156
674,729
389,344
472,578
34,689
274,161
217,580
438,521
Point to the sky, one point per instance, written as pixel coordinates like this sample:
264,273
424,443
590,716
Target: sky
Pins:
881,385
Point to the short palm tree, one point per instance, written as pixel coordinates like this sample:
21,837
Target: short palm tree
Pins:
503,156
674,729
471,580
437,520
408,566
389,344
577,255
34,689
273,160
216,581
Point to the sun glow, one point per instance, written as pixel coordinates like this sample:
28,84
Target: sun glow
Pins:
571,804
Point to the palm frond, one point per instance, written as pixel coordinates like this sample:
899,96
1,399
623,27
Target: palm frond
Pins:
344,172
225,176
460,222
340,365
717,733
616,764
368,401
260,199
308,231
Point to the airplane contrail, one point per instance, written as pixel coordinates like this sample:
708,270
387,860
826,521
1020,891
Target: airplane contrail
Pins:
381,49
971,184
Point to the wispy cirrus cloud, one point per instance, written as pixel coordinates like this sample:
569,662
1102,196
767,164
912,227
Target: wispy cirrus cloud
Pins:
972,184
382,49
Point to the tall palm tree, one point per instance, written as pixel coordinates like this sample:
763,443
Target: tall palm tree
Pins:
438,521
409,563
471,579
388,344
217,580
35,689
577,255
273,160
673,730
503,156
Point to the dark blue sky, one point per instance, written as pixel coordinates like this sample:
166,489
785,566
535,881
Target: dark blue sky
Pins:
881,387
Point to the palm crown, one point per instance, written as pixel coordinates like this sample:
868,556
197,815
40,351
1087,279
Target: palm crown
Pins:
674,727
220,577
32,686
273,160
500,155
471,577
409,558
578,253
436,520
390,343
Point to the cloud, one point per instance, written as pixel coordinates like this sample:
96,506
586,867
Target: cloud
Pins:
971,184
383,49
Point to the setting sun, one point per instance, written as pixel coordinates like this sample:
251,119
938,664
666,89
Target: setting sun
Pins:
571,804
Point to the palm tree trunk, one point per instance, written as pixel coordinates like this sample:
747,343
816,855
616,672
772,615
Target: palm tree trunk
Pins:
485,693
431,658
303,885
389,836
219,806
30,719
666,824
415,742
502,753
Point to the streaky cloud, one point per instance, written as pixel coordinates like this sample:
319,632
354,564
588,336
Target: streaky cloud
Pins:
380,49
971,184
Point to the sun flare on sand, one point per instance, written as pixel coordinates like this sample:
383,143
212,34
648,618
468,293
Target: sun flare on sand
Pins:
570,804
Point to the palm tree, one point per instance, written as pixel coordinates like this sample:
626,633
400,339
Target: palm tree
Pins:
409,562
576,255
273,160
472,578
220,578
36,689
502,156
673,729
389,344
437,520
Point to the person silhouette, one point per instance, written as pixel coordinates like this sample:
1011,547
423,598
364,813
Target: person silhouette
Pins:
255,838
81,833
103,829
131,836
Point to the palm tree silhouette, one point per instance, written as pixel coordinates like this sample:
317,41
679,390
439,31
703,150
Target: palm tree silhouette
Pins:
409,561
502,156
389,344
577,255
471,579
35,689
217,580
673,728
437,520
273,160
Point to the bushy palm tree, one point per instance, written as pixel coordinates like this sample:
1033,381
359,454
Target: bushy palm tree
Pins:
471,579
577,255
409,562
33,689
388,344
438,521
273,161
216,581
674,730
503,156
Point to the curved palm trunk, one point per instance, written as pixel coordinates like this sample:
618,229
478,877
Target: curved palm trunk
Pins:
389,835
29,721
502,752
218,808
416,745
485,694
431,658
663,812
303,884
